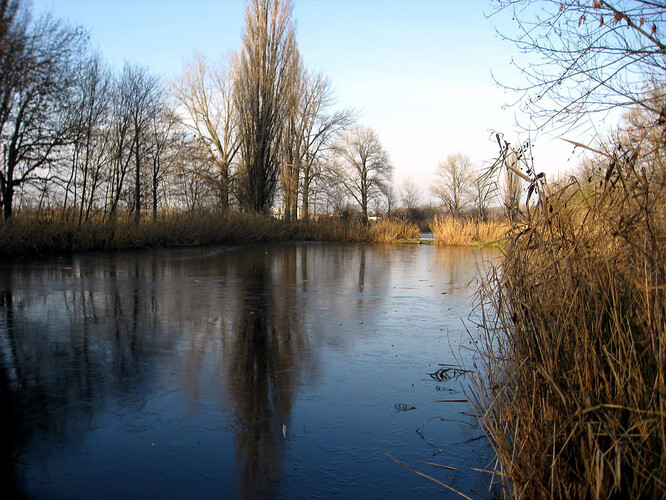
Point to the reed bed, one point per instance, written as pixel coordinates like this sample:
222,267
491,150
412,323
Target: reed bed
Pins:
31,235
27,234
355,230
391,231
332,229
465,231
572,391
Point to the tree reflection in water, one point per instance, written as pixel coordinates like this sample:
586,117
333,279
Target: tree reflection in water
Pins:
263,365
9,417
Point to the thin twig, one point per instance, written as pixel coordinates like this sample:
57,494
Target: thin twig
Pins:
450,488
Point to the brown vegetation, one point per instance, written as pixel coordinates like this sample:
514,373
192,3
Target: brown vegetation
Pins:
390,231
572,394
26,234
463,231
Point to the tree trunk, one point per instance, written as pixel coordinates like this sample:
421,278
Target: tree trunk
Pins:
224,188
137,183
8,201
155,182
305,207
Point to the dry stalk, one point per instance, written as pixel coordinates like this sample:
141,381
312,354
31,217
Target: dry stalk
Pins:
572,391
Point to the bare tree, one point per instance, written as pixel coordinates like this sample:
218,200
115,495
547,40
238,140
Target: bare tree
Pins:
163,151
136,100
264,80
292,143
89,153
410,195
39,67
12,32
120,132
364,168
483,190
142,95
310,135
639,142
592,56
329,197
187,184
390,194
453,182
643,127
205,92
8,11
320,127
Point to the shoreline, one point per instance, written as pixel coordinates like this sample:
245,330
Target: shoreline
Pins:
29,236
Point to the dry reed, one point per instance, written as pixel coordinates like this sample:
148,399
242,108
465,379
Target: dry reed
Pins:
572,394
354,230
464,231
390,231
27,234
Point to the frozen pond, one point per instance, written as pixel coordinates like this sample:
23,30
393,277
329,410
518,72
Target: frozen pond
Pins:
259,371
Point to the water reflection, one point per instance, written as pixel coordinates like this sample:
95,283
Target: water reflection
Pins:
264,361
9,419
111,363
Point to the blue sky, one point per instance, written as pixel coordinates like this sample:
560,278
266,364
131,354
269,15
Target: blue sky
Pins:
418,71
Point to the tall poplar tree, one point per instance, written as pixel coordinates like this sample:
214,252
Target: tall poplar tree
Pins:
267,76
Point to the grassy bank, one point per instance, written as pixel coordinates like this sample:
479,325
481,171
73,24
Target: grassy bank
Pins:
465,231
573,391
30,235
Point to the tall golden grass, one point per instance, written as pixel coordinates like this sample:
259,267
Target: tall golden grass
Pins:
391,231
572,391
336,229
27,234
465,231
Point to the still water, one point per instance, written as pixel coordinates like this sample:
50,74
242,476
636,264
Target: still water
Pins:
261,371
